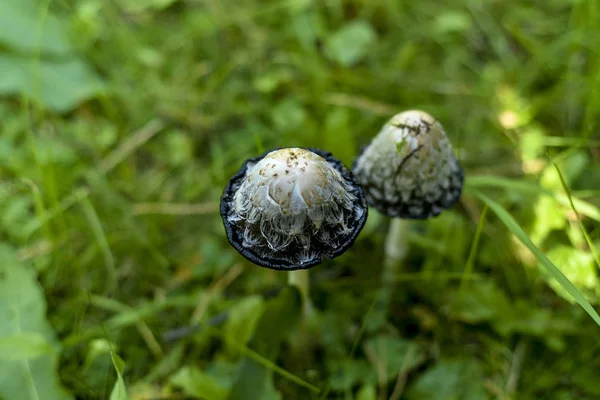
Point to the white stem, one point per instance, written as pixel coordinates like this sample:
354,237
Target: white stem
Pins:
300,279
396,248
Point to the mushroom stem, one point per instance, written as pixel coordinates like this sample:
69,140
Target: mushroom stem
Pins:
300,279
395,250
396,243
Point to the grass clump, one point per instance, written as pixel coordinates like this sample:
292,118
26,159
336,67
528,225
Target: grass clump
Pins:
122,122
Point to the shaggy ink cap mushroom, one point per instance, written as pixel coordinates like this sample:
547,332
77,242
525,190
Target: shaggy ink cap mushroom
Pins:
409,170
292,208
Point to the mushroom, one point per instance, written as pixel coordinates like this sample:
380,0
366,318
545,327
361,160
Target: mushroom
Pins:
408,172
290,209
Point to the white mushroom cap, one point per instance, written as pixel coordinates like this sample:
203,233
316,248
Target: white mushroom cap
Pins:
291,208
409,169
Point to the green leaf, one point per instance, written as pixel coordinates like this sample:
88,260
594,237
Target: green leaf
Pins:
25,345
452,21
280,316
550,268
242,321
524,318
288,115
199,385
137,6
350,44
549,216
25,372
58,85
449,380
26,29
308,27
345,374
480,302
396,354
367,392
584,231
579,267
119,391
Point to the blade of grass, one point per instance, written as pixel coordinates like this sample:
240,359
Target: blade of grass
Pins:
474,246
581,225
280,316
259,144
129,145
560,141
587,209
265,362
63,205
514,228
96,225
40,209
128,318
142,327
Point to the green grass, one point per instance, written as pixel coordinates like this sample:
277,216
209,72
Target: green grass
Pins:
123,120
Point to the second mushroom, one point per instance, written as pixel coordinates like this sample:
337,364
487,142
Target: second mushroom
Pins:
407,172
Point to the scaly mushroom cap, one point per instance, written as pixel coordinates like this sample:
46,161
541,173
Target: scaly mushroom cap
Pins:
409,170
292,208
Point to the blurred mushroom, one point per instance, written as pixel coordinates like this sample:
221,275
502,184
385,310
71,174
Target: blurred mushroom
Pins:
408,171
291,209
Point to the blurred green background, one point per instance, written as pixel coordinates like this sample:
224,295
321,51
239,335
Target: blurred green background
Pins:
122,120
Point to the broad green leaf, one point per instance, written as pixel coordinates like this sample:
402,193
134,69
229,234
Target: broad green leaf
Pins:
449,380
25,372
367,392
526,318
572,234
308,27
452,21
571,167
550,268
345,374
480,302
550,216
199,385
119,391
97,348
27,28
280,316
396,354
58,85
242,321
579,267
25,345
350,44
271,80
288,115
